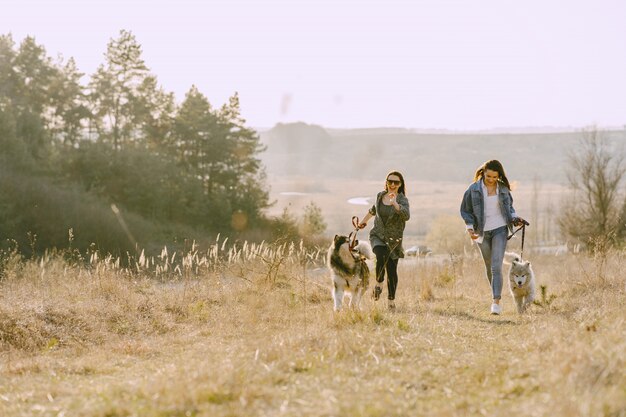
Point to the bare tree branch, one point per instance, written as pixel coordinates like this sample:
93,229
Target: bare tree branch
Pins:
594,210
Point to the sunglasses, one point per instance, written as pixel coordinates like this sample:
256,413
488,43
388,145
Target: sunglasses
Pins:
394,182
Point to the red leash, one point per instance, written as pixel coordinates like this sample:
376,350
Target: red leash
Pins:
352,235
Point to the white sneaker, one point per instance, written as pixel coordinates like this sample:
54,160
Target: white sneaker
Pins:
496,309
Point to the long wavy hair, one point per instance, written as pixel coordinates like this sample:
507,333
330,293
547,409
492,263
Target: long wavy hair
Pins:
401,188
493,165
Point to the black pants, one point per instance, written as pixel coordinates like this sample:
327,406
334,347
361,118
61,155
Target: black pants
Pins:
384,262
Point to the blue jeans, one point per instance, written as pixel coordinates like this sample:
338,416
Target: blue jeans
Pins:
492,248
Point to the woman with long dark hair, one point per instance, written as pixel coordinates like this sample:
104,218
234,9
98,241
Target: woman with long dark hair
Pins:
390,212
487,209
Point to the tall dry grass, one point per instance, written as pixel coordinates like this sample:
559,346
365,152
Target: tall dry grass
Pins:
250,331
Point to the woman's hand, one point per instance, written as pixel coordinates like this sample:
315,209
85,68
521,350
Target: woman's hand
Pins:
392,200
518,221
472,234
363,221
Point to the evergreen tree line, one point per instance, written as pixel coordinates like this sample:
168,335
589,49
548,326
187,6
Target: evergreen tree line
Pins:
69,151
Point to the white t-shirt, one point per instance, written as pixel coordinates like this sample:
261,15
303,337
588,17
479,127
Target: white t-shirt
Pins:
493,214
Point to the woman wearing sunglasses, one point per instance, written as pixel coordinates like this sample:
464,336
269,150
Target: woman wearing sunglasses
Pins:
390,212
487,209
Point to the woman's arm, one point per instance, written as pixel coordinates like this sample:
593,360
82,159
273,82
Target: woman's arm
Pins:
365,219
513,214
370,213
467,213
402,207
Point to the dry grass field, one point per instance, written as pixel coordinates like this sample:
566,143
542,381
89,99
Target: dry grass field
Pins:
252,333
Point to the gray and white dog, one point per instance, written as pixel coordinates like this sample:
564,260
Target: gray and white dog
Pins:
349,272
521,282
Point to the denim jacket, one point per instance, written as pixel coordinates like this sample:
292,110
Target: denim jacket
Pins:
473,206
390,233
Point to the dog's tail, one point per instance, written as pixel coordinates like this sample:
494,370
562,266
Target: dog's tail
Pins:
513,256
365,249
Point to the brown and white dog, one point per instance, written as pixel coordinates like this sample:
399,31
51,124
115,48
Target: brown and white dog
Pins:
348,271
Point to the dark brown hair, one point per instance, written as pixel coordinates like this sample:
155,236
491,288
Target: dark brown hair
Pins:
401,189
493,165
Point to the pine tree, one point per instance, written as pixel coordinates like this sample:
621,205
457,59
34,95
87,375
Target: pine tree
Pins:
247,177
115,92
217,148
70,105
30,78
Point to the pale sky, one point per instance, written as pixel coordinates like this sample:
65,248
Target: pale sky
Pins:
451,64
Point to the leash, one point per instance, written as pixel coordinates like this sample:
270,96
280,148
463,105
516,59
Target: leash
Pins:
523,229
352,236
361,265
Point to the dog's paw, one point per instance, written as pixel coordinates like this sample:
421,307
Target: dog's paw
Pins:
376,292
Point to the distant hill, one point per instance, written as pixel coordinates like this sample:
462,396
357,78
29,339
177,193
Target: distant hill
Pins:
288,145
309,150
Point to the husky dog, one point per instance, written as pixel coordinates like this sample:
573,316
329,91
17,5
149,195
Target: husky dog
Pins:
348,270
521,282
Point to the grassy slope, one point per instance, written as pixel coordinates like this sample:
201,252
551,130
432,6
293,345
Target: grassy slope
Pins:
239,341
48,208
